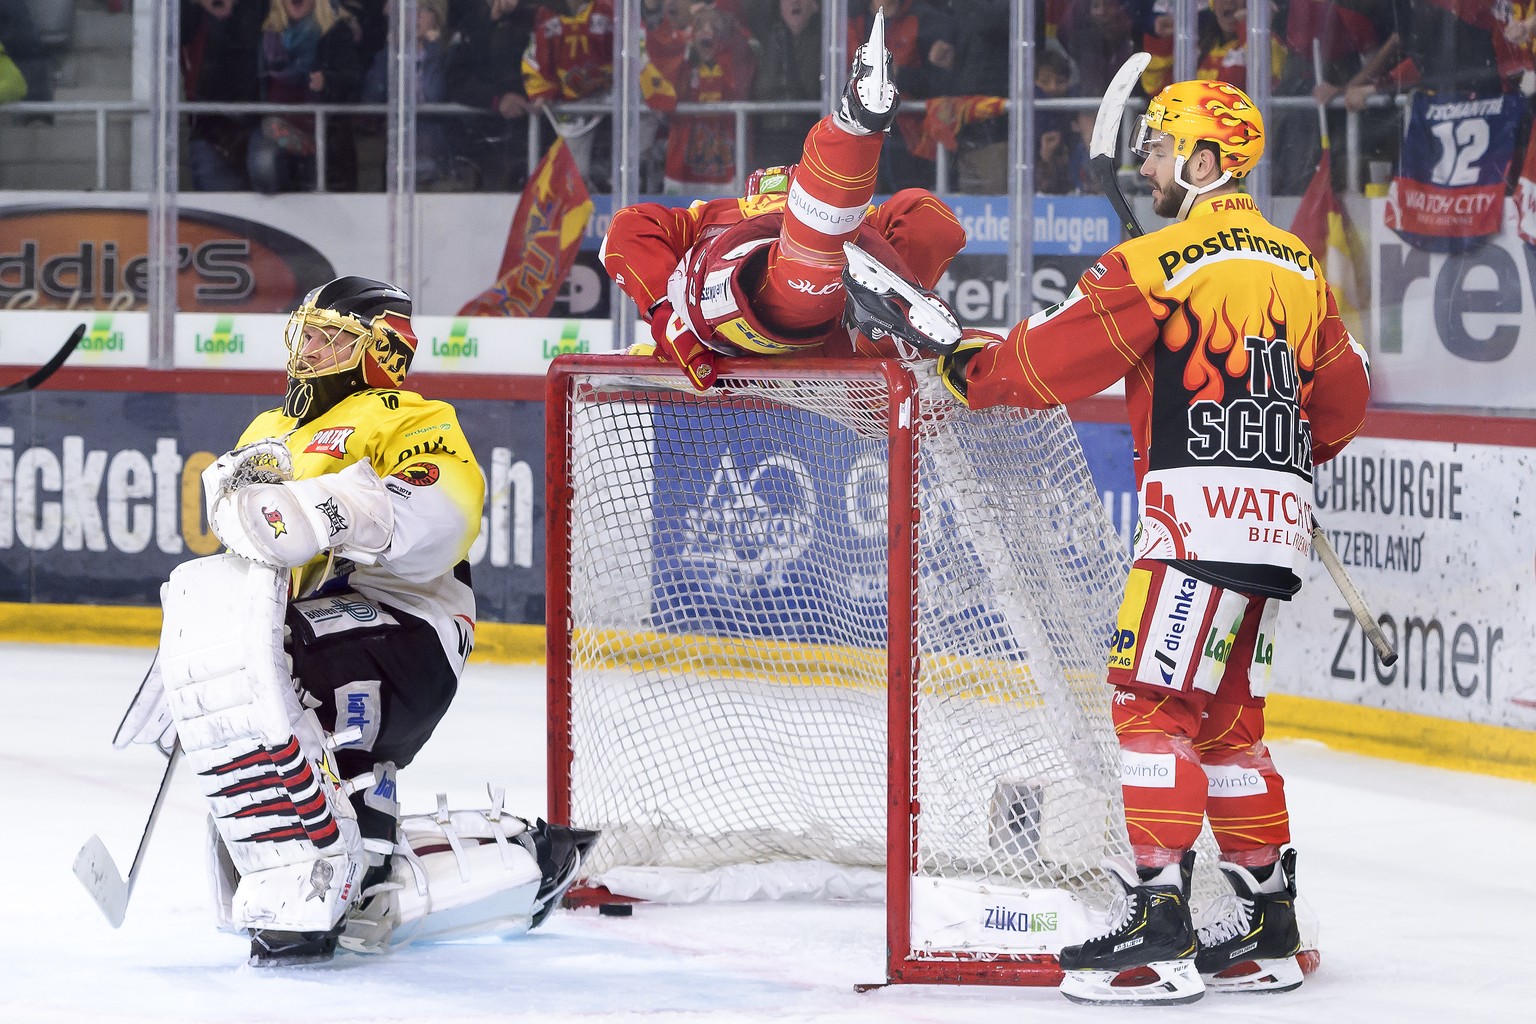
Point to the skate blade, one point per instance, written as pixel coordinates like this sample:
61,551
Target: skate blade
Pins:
1162,982
876,90
1280,975
873,51
934,321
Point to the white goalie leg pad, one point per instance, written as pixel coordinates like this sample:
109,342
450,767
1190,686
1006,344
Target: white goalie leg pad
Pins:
222,879
261,758
454,874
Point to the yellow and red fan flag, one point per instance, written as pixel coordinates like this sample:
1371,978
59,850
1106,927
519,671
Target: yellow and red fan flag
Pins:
1321,223
945,117
542,241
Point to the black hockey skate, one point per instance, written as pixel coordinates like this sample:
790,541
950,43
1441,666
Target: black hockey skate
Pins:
292,949
881,303
559,850
1148,953
870,99
1251,945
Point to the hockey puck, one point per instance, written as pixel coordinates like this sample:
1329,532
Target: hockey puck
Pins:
616,910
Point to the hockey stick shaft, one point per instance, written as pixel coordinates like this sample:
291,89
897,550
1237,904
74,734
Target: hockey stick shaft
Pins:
1352,595
97,870
1103,161
42,373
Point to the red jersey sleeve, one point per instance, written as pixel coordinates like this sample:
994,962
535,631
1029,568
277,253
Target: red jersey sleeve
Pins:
643,246
1076,348
1341,386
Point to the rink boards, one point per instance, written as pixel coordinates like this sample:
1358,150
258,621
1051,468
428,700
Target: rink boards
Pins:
99,499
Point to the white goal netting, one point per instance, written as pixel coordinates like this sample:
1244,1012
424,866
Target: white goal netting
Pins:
814,620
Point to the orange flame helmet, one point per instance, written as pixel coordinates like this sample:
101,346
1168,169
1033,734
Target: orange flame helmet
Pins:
1205,111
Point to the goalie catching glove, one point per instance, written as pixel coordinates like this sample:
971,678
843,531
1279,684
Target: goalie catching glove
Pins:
285,523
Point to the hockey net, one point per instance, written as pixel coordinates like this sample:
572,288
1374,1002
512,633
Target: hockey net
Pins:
824,632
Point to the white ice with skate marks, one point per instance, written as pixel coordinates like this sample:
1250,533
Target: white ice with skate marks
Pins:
1413,872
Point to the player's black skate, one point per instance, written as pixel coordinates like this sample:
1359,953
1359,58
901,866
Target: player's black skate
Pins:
1148,953
881,304
559,850
1252,943
292,949
870,99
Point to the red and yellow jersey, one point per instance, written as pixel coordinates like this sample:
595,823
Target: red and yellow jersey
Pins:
1239,377
436,494
647,241
701,148
570,57
1226,61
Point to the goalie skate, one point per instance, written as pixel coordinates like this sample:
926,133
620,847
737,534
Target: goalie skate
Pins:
870,99
1147,955
883,304
467,873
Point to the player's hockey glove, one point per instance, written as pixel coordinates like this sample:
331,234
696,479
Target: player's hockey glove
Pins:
951,365
678,345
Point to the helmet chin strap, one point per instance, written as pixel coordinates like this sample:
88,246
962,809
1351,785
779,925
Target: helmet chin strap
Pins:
1191,193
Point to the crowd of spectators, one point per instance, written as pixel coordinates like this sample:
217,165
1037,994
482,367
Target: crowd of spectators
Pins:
511,60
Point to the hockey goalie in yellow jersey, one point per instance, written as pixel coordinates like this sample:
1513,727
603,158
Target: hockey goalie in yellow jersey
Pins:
303,669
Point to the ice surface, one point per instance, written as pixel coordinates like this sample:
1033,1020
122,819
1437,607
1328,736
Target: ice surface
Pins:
1420,878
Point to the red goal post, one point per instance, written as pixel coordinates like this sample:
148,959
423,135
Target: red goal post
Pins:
821,631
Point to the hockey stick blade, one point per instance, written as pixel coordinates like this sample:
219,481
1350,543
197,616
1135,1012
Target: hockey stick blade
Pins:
1104,145
1105,140
42,373
97,870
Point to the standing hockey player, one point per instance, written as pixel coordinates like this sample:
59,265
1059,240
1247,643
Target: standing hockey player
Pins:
1239,378
304,668
762,274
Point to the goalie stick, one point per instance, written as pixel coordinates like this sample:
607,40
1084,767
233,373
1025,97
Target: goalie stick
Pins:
42,373
1103,153
97,870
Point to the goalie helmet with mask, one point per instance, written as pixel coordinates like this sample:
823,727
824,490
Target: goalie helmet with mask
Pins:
348,335
1191,113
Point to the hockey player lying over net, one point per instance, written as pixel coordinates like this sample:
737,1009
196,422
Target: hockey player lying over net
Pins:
1239,377
302,669
762,274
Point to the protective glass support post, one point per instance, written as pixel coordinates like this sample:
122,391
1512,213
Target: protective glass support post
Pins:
400,153
1021,153
1186,33
160,209
834,47
625,126
1260,81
